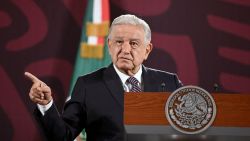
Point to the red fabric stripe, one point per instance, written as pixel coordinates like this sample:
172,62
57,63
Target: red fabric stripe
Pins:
100,40
105,10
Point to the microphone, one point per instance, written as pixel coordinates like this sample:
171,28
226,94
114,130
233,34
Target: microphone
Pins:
163,87
216,87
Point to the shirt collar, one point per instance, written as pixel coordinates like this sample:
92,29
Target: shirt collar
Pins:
124,77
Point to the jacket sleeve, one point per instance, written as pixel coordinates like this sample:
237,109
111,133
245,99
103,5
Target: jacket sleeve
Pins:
65,126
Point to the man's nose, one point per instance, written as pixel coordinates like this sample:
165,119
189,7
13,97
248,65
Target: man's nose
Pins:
126,47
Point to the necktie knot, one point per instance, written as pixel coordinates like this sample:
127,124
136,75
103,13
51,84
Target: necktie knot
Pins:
134,82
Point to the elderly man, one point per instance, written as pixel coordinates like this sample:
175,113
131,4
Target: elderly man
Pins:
96,104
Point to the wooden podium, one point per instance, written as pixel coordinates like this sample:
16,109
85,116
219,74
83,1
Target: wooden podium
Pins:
145,119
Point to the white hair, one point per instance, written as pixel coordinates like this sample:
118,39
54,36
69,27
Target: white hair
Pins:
133,20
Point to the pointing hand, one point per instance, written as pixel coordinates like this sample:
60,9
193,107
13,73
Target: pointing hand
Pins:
39,93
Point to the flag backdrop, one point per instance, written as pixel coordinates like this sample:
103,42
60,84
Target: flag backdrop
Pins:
93,51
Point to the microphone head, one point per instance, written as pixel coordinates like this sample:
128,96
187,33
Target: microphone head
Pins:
163,84
216,87
163,87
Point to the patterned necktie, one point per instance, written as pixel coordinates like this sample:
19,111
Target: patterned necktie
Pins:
134,82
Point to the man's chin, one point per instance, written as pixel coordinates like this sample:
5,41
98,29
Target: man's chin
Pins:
124,67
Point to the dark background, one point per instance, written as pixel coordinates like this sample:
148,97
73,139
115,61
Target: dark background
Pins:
206,42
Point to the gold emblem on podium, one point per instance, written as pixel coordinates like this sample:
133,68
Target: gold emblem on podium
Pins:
190,109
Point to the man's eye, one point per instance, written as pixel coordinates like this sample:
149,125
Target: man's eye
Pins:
134,44
119,42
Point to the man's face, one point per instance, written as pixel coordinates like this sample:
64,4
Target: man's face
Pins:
128,48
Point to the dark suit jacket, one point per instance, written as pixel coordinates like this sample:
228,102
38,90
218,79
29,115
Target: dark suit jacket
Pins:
97,105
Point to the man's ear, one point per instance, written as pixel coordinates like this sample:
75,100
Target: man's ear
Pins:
109,43
149,48
109,46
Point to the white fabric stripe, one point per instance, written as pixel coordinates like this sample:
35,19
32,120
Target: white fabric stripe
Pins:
92,40
97,18
97,13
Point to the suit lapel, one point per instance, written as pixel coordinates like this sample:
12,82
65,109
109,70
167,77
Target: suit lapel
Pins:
114,84
149,82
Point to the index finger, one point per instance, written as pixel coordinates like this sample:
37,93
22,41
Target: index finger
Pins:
32,77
